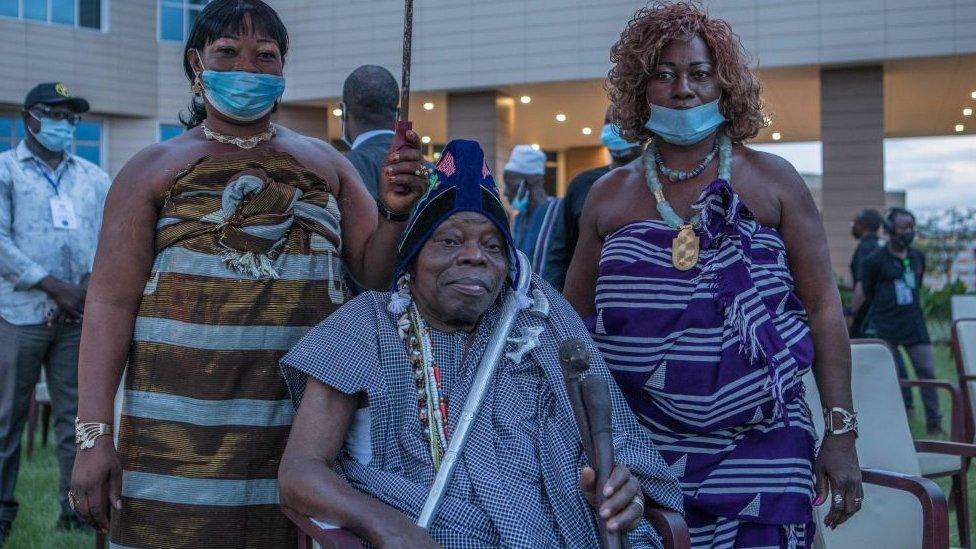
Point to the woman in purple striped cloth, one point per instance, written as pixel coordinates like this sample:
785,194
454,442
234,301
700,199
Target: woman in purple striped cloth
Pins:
704,276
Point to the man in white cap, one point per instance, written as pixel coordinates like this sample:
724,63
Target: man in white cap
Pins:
535,210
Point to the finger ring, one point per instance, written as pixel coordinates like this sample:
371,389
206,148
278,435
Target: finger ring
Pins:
838,499
639,501
426,172
418,172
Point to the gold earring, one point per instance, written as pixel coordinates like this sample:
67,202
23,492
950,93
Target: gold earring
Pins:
197,87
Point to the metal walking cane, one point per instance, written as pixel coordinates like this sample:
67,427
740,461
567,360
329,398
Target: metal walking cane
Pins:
403,124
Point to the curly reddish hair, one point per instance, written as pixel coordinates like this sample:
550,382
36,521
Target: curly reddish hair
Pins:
637,53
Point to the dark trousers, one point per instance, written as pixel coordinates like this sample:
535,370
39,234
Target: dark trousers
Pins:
923,361
23,350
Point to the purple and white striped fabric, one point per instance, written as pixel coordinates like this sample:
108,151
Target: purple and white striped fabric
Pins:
711,361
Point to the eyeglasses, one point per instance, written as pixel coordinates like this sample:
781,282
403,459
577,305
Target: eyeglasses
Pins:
46,112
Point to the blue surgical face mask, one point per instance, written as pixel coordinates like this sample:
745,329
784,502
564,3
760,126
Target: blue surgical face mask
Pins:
242,96
685,126
55,135
610,137
521,201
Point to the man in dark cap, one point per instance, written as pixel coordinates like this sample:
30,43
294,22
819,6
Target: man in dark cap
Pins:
50,213
370,97
391,371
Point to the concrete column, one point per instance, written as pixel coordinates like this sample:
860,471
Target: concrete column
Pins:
487,117
852,132
310,121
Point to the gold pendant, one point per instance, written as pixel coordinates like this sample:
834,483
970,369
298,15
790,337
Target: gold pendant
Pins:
684,248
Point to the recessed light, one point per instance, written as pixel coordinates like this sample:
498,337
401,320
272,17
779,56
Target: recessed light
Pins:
425,139
428,106
337,112
960,128
587,130
777,136
525,99
973,95
535,146
967,112
560,117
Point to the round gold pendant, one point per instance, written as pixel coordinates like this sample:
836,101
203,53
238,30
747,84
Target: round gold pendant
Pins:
684,248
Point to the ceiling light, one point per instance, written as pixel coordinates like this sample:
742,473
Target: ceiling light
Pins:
525,99
960,128
560,117
337,112
587,130
437,156
967,112
428,106
973,95
777,136
425,139
535,146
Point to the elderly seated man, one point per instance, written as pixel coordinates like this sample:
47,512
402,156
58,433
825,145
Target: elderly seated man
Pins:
379,387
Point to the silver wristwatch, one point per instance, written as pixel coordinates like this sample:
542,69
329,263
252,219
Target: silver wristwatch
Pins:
86,433
838,421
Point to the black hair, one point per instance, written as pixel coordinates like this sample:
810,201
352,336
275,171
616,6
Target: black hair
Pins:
889,219
223,17
870,219
371,96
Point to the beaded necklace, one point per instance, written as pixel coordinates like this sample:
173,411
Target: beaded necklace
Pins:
681,175
685,247
427,377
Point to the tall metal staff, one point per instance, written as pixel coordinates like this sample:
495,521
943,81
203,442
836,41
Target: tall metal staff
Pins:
403,124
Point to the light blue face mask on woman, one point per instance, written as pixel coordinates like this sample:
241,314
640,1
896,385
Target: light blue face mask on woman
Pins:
242,96
685,126
55,135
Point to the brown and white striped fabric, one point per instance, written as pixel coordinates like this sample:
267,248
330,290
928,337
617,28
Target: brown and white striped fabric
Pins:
248,258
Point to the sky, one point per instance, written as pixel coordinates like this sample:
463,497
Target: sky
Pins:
937,173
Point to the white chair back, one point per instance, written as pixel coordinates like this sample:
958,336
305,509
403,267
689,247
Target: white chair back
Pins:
963,306
966,340
888,518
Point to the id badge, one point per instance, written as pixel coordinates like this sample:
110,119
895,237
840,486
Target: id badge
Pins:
903,294
63,214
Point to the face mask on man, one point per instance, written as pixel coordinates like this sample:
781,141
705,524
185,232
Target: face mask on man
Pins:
521,201
685,126
906,238
240,95
55,135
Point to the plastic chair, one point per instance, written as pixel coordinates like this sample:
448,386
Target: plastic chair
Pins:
963,306
40,405
901,508
670,525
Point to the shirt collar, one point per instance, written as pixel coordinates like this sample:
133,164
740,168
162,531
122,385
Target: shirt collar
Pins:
24,153
363,137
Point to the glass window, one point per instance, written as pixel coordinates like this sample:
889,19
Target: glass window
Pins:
169,131
72,13
35,9
63,12
176,18
9,8
8,139
90,14
88,141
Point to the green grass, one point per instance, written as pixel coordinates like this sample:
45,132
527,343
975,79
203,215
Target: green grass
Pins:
37,492
37,486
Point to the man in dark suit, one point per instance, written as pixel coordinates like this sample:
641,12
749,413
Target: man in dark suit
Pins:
370,97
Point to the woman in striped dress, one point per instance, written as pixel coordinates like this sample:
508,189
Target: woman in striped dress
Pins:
220,248
704,276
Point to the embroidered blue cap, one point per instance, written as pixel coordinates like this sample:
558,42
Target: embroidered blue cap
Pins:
461,183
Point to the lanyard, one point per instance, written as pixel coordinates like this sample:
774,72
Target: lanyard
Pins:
54,184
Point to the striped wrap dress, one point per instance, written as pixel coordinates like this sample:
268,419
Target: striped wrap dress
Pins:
711,360
248,258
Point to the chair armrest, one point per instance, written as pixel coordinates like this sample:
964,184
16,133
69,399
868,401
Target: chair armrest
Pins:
967,377
960,449
935,511
670,525
333,538
957,430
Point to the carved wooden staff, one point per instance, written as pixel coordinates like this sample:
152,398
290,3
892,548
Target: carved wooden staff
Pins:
589,397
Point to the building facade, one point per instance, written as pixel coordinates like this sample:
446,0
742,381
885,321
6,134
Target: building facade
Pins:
846,72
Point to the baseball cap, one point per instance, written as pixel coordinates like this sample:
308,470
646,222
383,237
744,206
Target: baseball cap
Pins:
54,93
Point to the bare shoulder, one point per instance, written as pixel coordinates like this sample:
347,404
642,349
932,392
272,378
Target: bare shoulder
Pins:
151,171
617,181
770,169
315,154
